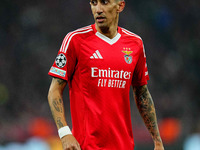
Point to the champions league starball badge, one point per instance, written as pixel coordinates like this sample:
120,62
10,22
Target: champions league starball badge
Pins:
61,60
128,58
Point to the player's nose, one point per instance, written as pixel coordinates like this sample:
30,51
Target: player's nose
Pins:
99,8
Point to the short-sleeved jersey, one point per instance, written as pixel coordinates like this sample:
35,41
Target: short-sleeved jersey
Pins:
99,72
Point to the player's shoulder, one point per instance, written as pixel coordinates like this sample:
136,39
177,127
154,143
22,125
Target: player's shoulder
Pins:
74,37
81,32
130,35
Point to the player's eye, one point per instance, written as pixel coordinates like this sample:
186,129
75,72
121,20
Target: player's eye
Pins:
93,2
105,2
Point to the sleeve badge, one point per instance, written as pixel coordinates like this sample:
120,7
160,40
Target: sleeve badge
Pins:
61,60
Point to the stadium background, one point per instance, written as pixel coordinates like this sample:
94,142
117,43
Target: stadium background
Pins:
31,33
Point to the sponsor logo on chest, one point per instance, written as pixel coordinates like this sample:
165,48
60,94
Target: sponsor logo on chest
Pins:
112,78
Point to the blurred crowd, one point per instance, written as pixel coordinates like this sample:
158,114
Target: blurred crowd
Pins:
31,33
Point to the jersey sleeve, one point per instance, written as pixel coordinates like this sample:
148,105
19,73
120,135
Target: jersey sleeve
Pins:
140,75
65,62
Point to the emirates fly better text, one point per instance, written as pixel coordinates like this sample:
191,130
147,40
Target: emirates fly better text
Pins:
110,78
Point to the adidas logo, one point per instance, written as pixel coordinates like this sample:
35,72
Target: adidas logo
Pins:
96,55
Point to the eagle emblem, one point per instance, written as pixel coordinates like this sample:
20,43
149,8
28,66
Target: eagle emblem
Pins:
128,58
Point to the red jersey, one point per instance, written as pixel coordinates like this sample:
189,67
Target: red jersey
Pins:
99,72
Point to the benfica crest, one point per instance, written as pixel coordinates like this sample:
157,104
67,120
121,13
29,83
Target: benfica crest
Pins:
128,58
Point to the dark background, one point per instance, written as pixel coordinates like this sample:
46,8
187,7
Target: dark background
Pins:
31,33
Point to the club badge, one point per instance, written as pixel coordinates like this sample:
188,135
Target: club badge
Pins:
61,60
128,58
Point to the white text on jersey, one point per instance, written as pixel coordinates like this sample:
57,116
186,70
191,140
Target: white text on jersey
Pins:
116,78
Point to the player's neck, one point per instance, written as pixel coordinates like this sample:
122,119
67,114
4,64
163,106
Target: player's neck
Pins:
110,32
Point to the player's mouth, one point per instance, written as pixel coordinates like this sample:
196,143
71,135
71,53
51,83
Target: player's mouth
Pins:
100,19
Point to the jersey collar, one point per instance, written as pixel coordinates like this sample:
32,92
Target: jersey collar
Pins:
105,38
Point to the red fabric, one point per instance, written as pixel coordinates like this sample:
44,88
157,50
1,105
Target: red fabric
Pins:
99,84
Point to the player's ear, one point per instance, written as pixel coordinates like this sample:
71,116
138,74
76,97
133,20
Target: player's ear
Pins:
121,5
